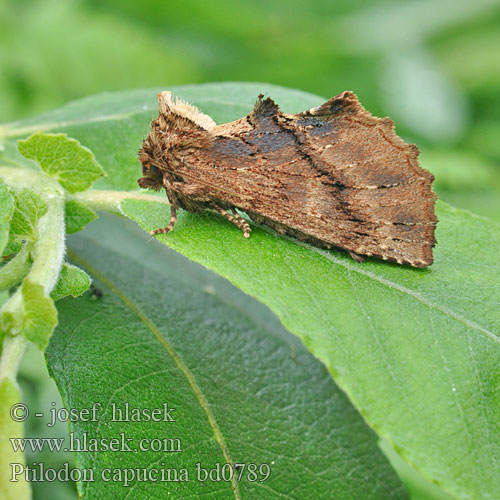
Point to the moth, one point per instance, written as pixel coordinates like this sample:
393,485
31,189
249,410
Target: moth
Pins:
334,175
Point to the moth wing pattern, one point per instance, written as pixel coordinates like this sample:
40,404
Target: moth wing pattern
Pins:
333,175
384,191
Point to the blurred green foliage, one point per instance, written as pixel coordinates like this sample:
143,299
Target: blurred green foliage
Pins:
432,65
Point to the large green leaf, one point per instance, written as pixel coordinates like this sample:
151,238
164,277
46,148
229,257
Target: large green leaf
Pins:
244,390
417,351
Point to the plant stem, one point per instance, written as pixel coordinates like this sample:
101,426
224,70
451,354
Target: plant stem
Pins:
15,270
36,180
109,201
48,253
12,351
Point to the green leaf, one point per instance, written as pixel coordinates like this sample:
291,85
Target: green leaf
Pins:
72,281
417,351
29,311
73,165
244,389
423,344
9,428
13,246
30,207
77,216
6,211
40,315
418,487
40,394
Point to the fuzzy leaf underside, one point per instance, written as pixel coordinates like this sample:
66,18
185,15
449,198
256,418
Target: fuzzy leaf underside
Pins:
29,209
9,396
72,281
40,315
417,351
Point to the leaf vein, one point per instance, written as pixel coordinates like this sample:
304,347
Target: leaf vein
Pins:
391,284
219,437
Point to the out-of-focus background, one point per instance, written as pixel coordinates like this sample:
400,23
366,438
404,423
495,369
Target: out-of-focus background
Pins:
431,65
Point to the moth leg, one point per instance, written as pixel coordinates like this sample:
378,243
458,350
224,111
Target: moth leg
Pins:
241,223
356,257
236,219
173,211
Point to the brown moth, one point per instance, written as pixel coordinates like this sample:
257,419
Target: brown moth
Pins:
334,175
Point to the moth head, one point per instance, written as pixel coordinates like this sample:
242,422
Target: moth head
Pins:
178,128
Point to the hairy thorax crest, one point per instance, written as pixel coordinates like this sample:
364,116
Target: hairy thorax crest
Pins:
178,128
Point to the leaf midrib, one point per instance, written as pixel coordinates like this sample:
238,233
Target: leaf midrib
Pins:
393,285
431,305
181,365
359,270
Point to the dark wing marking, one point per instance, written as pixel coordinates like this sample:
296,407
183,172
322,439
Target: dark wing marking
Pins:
334,172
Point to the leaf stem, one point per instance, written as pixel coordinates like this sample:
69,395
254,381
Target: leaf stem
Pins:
12,351
34,179
47,254
15,270
109,201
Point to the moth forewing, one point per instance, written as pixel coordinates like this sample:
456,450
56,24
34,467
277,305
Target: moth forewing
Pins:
334,175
